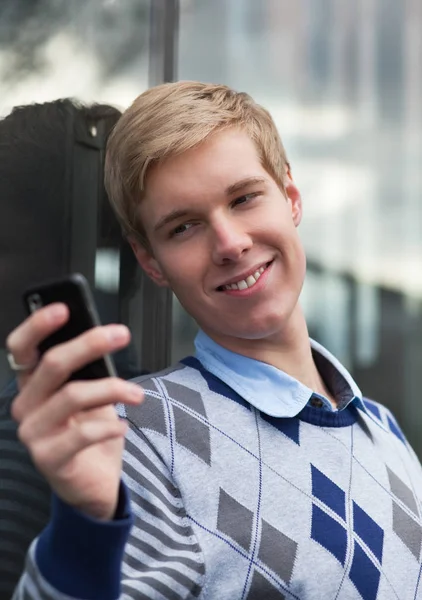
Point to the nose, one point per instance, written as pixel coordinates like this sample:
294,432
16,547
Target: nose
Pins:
229,241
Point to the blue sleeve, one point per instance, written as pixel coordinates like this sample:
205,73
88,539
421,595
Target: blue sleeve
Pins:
81,556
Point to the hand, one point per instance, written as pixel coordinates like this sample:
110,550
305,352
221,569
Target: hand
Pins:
71,429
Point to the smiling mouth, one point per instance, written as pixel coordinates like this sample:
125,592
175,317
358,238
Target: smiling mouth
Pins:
244,284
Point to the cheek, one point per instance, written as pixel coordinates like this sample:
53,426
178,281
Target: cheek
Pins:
289,244
281,233
183,269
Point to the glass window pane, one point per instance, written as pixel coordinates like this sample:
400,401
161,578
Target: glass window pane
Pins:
91,50
343,81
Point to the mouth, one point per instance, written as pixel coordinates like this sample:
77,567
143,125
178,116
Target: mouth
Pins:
246,283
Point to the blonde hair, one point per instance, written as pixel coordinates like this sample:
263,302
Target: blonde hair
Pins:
169,119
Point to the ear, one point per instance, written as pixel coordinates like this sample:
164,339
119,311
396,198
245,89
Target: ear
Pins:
293,197
148,263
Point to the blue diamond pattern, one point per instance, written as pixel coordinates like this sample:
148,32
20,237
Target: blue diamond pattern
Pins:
330,534
369,531
328,492
364,574
290,427
215,384
394,428
373,408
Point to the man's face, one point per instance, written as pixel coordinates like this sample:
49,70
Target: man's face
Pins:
223,237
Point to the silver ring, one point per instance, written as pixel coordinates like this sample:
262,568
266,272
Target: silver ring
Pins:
16,366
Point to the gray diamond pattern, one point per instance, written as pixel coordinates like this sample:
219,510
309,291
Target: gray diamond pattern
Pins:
192,434
262,589
148,385
402,492
189,397
234,520
408,530
277,551
151,411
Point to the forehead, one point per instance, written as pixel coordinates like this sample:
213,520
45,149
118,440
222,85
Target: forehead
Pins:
204,171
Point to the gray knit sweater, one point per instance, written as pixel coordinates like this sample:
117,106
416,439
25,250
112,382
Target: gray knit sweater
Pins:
229,503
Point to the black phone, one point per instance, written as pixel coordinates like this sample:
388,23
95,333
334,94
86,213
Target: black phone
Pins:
74,291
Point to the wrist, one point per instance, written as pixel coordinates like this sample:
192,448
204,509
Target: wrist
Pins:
80,555
100,511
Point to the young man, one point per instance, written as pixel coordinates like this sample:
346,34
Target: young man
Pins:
255,469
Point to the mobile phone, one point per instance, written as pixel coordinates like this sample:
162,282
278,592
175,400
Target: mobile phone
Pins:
74,291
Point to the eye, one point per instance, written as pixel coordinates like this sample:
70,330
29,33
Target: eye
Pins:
245,198
181,229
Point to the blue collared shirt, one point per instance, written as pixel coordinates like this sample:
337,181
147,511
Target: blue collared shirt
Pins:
271,390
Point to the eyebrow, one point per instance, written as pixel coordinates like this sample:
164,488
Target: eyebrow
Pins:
234,188
174,215
242,184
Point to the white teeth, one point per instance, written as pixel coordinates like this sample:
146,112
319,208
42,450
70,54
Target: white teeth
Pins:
246,283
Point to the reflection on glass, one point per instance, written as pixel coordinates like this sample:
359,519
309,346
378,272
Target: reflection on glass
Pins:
92,50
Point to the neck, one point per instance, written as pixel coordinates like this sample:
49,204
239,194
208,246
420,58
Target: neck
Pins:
288,350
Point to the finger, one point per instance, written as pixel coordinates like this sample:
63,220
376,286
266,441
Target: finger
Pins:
60,362
23,341
76,398
52,453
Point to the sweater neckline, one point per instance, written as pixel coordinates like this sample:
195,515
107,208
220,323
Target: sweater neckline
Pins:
309,414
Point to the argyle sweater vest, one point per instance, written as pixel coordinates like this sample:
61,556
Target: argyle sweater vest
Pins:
230,503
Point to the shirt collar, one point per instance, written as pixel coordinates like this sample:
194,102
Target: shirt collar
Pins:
271,390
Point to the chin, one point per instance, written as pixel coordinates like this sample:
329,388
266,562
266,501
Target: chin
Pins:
259,330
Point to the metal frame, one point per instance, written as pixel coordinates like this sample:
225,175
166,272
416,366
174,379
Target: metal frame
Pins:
156,329
163,41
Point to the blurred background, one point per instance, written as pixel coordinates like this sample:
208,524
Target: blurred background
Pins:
343,81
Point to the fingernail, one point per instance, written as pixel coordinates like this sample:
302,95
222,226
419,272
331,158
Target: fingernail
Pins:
118,333
57,311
